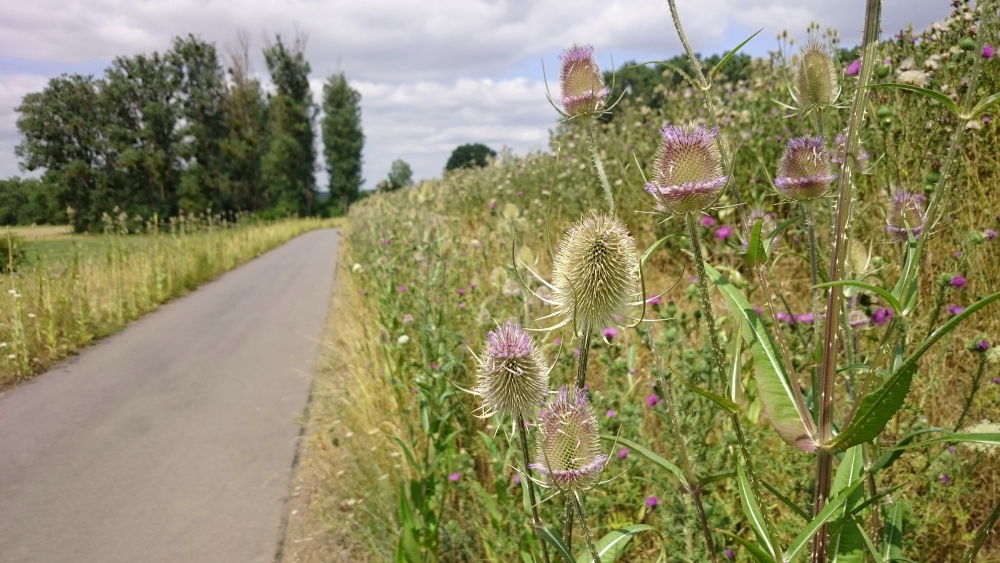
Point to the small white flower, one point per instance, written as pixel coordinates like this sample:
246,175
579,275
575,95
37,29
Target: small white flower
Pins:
356,267
11,356
32,315
403,339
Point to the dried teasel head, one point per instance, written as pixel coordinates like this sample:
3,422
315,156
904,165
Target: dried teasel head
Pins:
687,171
511,378
568,445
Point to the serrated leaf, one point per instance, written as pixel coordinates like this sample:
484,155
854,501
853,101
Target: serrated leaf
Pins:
650,455
784,407
718,66
931,94
884,294
546,534
613,543
753,512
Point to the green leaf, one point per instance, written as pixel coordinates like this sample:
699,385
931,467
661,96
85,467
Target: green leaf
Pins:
846,542
879,406
672,67
756,254
988,438
869,544
983,105
652,248
888,296
555,541
889,457
718,66
932,94
735,381
784,499
833,506
726,404
892,544
753,511
613,543
758,554
905,290
783,405
650,455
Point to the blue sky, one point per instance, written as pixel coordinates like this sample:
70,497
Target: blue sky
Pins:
432,75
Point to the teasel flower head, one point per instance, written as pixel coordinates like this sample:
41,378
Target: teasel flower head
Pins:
804,171
583,89
906,216
568,446
595,271
687,171
511,377
816,78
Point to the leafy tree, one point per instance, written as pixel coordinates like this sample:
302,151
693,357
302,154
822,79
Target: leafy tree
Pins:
469,156
29,201
400,175
245,115
289,162
342,140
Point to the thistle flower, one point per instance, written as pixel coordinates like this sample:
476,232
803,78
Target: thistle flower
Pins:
687,172
906,215
511,378
853,68
583,90
816,78
804,171
568,454
595,271
988,51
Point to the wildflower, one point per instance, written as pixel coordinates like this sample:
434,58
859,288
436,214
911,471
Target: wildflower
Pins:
403,339
988,51
454,477
511,377
707,221
652,400
568,454
914,77
905,216
957,280
989,234
857,318
805,318
784,317
853,68
804,171
983,345
654,300
687,171
652,501
944,478
881,316
623,453
729,553
611,413
595,271
583,90
816,78
723,232
401,288
610,333
516,479
954,309
407,319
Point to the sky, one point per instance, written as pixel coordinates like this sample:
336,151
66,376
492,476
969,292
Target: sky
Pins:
432,74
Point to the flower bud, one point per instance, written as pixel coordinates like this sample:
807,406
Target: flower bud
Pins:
568,445
905,216
804,171
583,90
511,378
816,78
687,172
595,270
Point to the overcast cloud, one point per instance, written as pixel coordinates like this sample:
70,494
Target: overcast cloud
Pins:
432,74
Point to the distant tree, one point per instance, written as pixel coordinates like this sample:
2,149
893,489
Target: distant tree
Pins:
29,201
342,140
400,175
246,122
288,165
469,156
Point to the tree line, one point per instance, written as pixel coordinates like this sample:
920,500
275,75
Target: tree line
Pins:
164,133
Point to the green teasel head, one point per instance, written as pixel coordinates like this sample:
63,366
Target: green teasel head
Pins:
568,443
816,78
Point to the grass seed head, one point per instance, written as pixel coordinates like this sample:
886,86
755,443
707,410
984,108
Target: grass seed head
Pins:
595,270
568,446
804,171
512,377
816,78
583,89
687,172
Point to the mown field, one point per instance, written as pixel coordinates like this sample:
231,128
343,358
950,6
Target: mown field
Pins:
412,473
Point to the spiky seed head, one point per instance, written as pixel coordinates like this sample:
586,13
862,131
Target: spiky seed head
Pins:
804,171
511,378
583,90
906,216
595,270
687,172
816,78
568,445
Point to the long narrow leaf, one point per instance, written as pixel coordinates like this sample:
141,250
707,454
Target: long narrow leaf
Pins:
613,543
833,506
887,295
983,105
555,541
753,511
988,438
758,554
892,544
650,455
931,94
846,542
718,66
724,403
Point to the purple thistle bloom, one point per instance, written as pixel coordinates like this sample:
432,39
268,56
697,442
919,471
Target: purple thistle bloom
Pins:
707,221
954,309
687,171
729,553
516,479
401,288
623,453
654,300
996,380
652,400
610,333
805,318
990,234
652,501
784,317
454,477
983,345
723,232
853,68
804,171
957,280
944,478
881,316
611,413
988,51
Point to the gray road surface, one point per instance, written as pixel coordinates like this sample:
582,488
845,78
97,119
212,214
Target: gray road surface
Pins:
173,440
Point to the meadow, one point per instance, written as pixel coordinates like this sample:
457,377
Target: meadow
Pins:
721,413
69,290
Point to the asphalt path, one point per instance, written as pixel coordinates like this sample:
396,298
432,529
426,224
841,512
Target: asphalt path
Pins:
173,440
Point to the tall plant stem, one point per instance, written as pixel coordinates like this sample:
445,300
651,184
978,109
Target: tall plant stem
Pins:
976,381
814,280
586,529
595,156
845,193
581,365
522,428
720,361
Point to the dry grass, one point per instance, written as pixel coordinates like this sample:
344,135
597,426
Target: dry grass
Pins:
35,232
